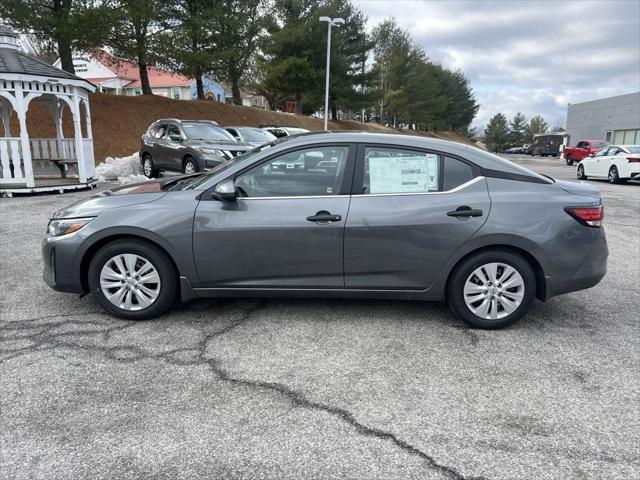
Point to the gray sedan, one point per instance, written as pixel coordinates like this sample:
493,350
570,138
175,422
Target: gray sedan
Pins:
336,215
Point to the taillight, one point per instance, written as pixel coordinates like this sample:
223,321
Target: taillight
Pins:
633,159
589,216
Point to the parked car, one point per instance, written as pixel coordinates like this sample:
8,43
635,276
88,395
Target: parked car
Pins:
546,144
187,146
280,132
616,163
396,217
251,135
583,149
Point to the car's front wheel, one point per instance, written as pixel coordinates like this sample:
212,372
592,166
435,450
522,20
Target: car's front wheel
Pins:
580,173
491,289
569,160
189,166
132,280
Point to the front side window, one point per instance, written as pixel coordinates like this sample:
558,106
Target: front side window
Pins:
317,171
173,133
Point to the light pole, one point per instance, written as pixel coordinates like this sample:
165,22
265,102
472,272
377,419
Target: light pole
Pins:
331,22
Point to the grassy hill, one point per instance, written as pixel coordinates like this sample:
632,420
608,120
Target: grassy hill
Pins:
118,122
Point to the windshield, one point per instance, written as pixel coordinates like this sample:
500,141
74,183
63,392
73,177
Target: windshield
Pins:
257,135
205,131
200,179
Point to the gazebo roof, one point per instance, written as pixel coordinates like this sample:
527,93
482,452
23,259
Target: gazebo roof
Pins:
14,61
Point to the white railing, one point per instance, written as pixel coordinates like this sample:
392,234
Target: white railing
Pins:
11,161
52,149
89,162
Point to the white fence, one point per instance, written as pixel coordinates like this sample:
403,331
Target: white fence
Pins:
52,149
11,161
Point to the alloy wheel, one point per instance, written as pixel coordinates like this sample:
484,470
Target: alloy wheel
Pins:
494,291
148,168
189,168
130,282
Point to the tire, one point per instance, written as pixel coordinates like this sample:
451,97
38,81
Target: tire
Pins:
569,160
464,275
148,167
613,176
145,299
189,166
580,173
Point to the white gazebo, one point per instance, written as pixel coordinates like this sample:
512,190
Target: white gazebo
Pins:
23,81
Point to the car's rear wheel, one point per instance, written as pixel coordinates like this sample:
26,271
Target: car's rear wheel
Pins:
580,173
189,166
569,160
614,176
132,280
491,289
148,167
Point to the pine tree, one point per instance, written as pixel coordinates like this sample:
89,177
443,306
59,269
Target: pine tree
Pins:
496,134
518,129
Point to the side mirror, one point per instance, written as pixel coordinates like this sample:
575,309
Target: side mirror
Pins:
225,190
592,155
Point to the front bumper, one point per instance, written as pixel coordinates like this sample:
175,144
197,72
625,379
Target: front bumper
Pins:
60,268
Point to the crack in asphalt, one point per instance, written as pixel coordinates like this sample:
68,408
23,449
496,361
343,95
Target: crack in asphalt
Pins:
45,340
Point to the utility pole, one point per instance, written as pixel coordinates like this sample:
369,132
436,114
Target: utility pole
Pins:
330,22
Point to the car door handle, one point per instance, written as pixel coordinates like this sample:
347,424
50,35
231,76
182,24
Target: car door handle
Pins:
465,212
324,217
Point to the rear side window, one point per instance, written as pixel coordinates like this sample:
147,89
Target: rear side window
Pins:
454,173
398,171
390,170
158,131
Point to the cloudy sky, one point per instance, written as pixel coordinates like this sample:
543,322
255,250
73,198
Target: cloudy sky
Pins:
529,56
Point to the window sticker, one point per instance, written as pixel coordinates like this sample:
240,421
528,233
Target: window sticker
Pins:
403,174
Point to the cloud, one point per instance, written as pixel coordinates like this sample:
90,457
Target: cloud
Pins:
529,56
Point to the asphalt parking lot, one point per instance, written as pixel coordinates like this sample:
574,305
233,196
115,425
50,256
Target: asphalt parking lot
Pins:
306,389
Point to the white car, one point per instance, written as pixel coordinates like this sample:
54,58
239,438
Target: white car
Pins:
616,163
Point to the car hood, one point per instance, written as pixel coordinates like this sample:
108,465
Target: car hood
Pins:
122,196
578,188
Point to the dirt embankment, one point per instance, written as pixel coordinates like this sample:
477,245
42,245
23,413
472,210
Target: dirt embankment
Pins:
118,122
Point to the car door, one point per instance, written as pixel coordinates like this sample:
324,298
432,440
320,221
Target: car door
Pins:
173,147
410,212
285,229
602,159
154,143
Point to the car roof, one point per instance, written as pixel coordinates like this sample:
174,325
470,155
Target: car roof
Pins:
480,157
243,126
178,120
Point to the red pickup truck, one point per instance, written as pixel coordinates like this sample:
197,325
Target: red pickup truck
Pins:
583,149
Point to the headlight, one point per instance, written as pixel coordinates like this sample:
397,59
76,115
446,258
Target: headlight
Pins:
65,226
211,151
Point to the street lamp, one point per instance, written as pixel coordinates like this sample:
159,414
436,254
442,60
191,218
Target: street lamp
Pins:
330,22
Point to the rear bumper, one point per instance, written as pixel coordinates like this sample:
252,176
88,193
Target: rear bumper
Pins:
589,272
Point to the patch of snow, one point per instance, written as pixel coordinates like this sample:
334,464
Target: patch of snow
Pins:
121,169
133,178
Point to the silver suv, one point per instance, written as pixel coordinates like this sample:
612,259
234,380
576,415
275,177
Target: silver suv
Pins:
187,146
